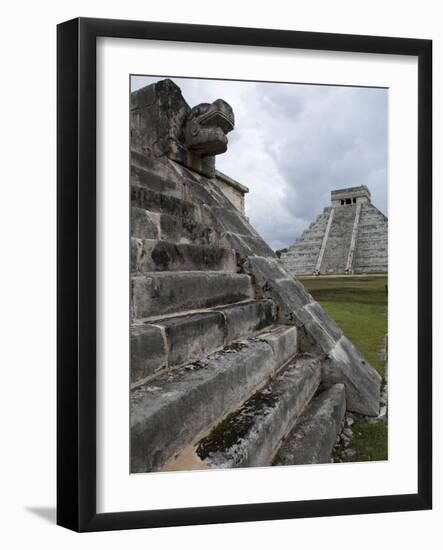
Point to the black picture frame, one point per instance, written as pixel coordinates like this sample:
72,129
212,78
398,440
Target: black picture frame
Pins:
76,294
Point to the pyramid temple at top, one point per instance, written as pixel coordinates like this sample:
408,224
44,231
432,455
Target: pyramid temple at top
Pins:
349,236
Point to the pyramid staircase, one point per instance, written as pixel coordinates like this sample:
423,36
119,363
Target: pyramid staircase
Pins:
302,256
372,241
339,240
218,378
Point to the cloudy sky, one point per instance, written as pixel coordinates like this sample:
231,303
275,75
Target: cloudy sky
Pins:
293,143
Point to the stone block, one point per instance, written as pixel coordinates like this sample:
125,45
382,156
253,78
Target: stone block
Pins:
265,269
192,337
146,178
169,292
312,439
246,318
148,352
284,343
173,411
144,224
347,366
143,197
185,230
268,273
290,295
345,363
160,255
250,436
248,245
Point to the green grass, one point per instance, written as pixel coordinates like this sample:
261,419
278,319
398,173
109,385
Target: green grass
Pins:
358,304
370,441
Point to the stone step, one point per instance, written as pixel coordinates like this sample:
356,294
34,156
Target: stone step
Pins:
158,255
174,341
312,439
295,262
368,244
171,292
301,256
374,220
145,178
179,407
142,197
372,256
372,236
377,268
146,224
306,246
251,435
368,231
304,249
377,249
299,265
374,260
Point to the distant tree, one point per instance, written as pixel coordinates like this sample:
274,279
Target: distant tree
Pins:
281,251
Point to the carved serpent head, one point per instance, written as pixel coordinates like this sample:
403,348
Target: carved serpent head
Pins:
206,127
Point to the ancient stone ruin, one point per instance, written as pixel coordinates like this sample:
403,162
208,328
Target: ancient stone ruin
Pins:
349,236
232,362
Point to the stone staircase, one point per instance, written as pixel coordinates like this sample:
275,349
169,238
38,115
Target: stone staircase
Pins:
302,256
232,362
217,378
339,240
372,241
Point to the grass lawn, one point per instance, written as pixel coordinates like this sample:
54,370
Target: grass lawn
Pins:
358,304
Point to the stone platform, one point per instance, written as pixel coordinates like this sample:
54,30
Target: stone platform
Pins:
228,351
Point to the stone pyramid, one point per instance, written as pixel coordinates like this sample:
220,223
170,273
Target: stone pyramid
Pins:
350,236
232,362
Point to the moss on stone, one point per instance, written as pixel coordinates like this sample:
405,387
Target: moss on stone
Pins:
235,426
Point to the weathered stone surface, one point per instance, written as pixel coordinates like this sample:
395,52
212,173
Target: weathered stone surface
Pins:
153,201
283,341
175,409
155,182
144,224
247,245
168,292
245,318
136,248
233,222
250,436
179,211
288,293
313,437
346,365
233,190
319,315
192,337
157,255
155,225
186,231
148,351
320,328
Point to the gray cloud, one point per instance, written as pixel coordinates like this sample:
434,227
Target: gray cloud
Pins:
294,143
